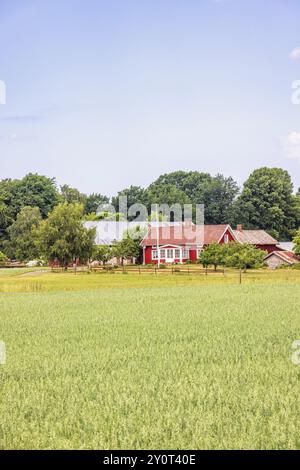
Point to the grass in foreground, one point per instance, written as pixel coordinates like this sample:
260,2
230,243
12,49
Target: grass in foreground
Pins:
186,366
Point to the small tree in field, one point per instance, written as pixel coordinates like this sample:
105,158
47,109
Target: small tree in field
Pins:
129,246
3,258
244,256
213,255
62,236
103,253
296,240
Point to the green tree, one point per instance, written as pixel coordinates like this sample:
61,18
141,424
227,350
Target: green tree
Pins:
213,255
243,256
36,191
3,258
266,202
63,237
165,194
22,235
217,193
93,201
296,240
5,221
7,211
103,253
134,194
72,195
129,246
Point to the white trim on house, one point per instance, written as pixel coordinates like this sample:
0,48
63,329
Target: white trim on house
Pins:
230,230
170,253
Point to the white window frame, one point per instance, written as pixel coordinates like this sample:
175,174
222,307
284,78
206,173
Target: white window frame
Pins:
170,250
163,253
226,238
178,250
154,254
185,253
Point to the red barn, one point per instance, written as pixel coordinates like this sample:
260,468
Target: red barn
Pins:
259,238
182,242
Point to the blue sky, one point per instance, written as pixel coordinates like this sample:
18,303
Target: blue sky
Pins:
104,94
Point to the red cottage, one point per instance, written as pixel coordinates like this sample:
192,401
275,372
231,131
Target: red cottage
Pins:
182,242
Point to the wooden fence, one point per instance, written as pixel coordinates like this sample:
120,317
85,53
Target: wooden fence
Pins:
180,269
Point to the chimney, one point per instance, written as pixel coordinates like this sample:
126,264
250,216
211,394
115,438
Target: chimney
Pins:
239,228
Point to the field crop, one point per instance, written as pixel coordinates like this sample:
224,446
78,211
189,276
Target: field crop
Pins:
167,362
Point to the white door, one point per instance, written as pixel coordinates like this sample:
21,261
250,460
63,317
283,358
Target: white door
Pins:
170,255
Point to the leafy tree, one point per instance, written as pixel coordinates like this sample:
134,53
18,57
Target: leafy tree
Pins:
63,237
129,246
93,201
243,256
216,193
22,235
134,194
107,216
5,221
266,202
165,194
296,240
296,211
213,255
7,211
36,191
103,253
218,198
72,195
3,258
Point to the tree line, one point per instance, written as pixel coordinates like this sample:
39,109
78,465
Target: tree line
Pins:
36,213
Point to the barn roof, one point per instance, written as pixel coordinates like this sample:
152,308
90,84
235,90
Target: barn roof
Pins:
287,256
254,237
185,234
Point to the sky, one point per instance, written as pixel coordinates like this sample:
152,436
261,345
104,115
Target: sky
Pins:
104,94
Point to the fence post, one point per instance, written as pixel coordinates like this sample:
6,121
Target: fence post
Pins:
240,276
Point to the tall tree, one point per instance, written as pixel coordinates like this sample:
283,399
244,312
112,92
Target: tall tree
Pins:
72,195
36,191
160,193
216,193
93,202
63,237
296,240
266,202
22,241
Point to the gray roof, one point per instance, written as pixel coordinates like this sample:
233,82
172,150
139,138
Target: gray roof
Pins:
288,246
254,237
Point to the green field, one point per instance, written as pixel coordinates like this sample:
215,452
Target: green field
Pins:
158,362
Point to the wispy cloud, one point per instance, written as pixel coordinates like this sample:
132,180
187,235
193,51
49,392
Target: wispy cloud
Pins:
291,145
21,118
295,54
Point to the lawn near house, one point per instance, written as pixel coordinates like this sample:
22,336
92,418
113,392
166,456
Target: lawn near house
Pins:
170,362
